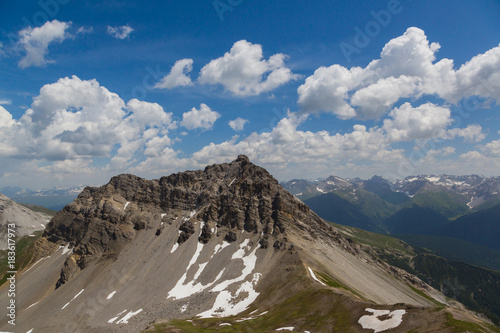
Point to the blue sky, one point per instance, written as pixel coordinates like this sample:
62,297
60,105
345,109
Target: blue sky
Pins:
90,89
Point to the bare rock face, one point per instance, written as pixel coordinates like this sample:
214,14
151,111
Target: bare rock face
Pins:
25,220
230,198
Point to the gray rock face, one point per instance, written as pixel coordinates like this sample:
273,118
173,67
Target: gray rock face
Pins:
230,198
26,220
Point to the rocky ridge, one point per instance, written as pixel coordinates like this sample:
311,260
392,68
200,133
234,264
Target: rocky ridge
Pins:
228,198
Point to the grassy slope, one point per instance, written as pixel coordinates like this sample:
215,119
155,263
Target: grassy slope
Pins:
476,287
40,209
24,254
447,204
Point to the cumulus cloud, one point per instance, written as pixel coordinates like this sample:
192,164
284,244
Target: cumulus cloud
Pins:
238,124
35,42
471,133
492,148
80,120
177,76
120,32
407,68
424,122
5,118
203,118
287,147
244,72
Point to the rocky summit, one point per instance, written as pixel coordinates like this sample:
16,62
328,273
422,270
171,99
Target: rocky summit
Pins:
225,248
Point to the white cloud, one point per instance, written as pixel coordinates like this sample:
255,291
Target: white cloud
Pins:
177,76
85,30
407,68
35,42
120,32
238,124
285,149
376,99
492,148
76,119
243,70
471,133
203,118
424,122
5,118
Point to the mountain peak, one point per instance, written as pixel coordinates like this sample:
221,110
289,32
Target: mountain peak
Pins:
242,158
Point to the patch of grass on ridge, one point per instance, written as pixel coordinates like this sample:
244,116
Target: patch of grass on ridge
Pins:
311,309
460,326
24,253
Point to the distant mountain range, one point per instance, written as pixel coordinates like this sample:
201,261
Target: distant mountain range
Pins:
473,191
448,208
55,198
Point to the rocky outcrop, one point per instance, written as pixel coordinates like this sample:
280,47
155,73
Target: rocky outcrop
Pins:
228,198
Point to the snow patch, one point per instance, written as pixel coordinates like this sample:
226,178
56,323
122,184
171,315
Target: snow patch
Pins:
163,215
183,289
320,190
30,331
252,317
225,324
470,202
220,247
32,305
232,182
176,245
81,291
249,262
433,179
285,329
184,307
314,276
127,317
26,271
128,202
373,322
112,320
66,249
226,304
110,296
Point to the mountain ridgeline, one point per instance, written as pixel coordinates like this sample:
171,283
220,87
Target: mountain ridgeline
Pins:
461,207
225,248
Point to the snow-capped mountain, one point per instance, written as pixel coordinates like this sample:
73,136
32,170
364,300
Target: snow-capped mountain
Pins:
473,190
